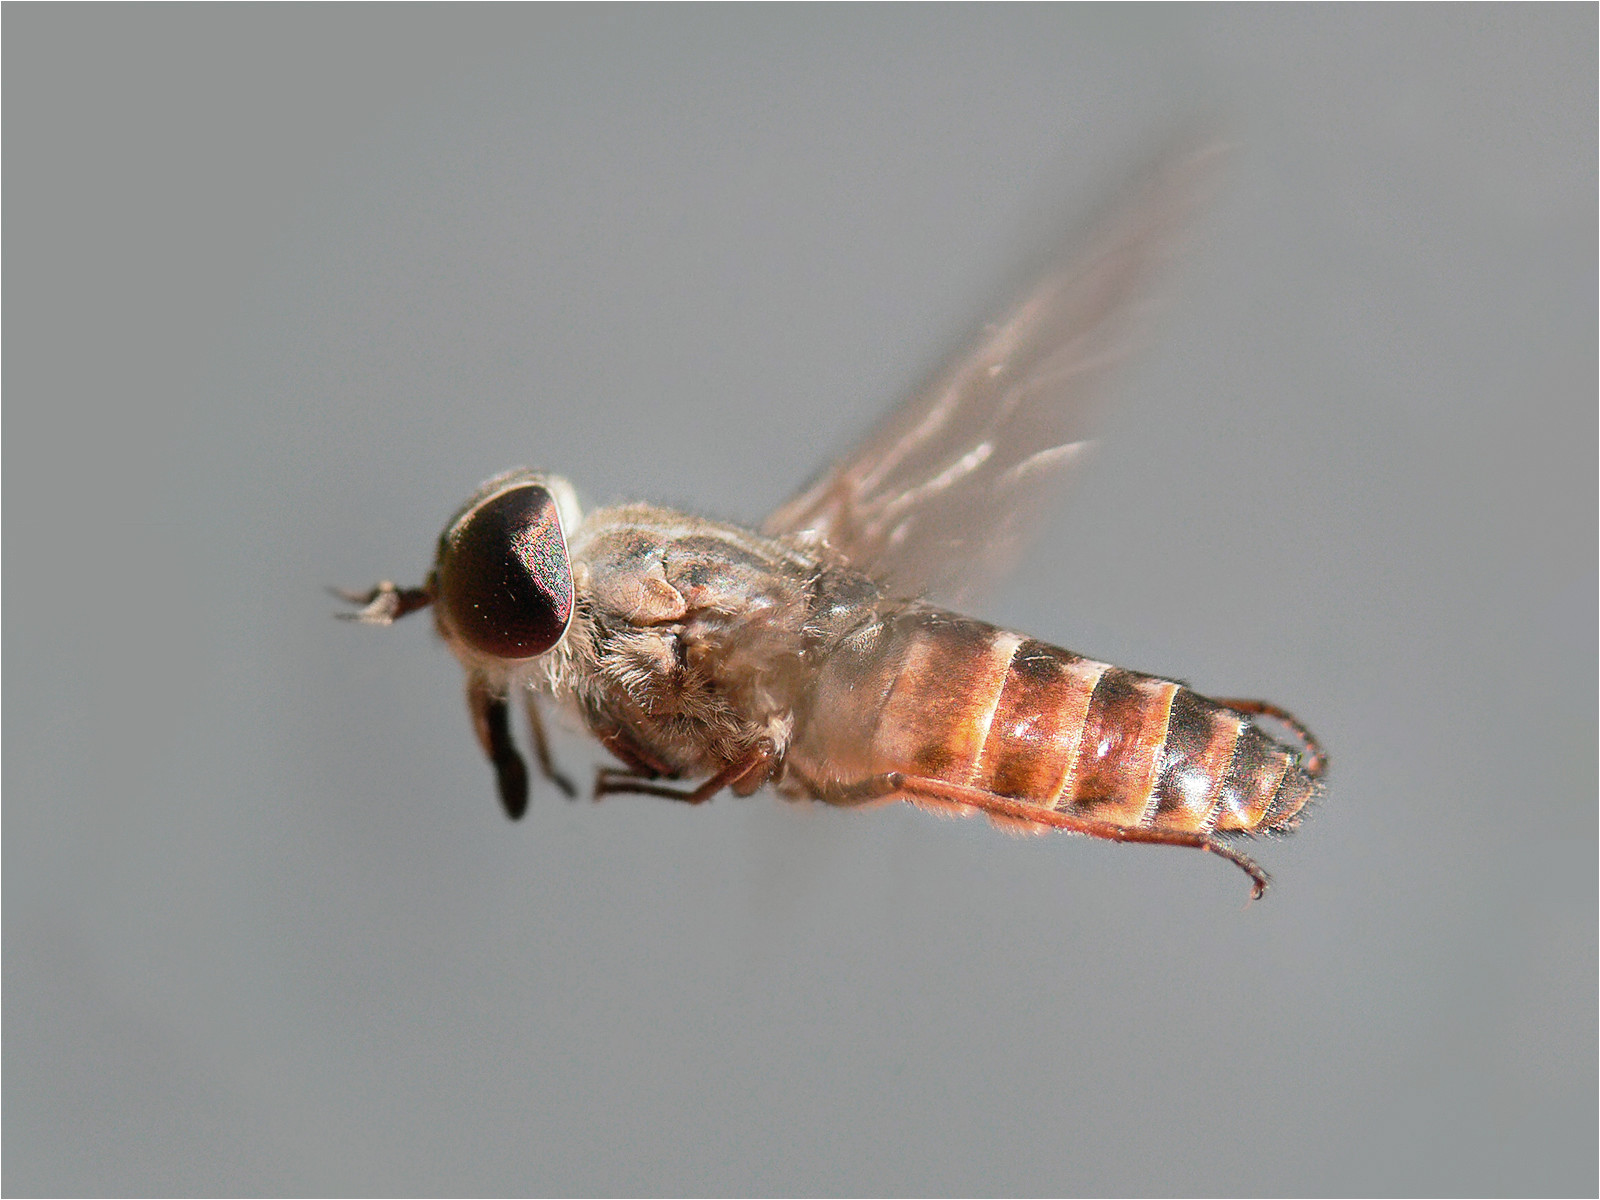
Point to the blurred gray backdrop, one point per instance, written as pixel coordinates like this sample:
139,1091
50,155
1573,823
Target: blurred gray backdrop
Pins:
281,285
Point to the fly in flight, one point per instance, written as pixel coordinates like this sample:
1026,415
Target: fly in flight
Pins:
807,655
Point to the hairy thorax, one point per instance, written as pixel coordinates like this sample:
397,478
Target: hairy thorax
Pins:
691,639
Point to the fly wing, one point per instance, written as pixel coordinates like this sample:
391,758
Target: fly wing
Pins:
940,496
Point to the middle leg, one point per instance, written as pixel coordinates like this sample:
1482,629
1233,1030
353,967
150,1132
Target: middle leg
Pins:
743,775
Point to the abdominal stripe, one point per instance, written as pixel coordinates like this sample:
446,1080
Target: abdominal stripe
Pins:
1034,737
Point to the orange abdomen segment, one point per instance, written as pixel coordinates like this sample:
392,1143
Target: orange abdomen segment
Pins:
933,694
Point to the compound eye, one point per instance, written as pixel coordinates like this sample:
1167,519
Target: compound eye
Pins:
504,576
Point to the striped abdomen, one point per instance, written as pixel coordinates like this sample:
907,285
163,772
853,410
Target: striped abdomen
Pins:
940,696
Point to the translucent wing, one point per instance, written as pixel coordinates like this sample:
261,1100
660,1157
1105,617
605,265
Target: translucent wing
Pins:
940,496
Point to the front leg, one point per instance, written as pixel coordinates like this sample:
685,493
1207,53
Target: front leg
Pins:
491,722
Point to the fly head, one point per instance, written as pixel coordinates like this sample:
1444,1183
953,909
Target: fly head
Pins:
503,578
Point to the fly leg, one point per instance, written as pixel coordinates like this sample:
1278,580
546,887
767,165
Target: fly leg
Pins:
937,791
384,604
1317,762
541,747
626,781
744,775
492,723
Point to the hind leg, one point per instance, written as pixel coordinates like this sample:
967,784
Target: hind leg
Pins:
1317,762
939,793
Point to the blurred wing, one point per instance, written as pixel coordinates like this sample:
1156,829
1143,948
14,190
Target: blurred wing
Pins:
940,496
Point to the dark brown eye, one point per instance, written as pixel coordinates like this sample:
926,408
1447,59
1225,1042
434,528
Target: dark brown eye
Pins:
504,578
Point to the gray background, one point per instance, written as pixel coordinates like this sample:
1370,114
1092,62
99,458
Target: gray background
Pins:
282,285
